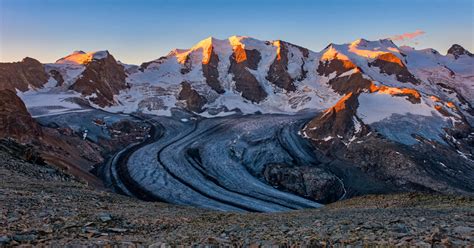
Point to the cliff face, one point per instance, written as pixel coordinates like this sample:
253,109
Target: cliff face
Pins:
210,70
245,82
22,75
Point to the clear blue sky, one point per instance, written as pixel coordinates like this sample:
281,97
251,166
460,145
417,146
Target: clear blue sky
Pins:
137,31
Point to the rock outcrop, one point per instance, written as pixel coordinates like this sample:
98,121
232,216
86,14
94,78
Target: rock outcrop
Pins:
29,73
337,122
102,79
310,182
278,72
209,70
354,82
334,65
457,51
346,76
390,64
57,76
245,82
194,101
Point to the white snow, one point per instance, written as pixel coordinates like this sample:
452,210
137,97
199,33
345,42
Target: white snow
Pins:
328,138
357,125
100,55
69,72
374,107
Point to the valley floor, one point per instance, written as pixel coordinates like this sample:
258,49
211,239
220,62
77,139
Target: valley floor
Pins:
42,206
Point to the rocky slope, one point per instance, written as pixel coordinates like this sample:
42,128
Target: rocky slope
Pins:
61,145
15,121
24,75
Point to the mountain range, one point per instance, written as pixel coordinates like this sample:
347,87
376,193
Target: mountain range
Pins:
403,117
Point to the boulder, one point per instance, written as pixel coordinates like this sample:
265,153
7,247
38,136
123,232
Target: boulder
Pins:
307,181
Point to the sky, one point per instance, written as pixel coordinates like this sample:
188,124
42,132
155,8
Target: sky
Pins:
142,30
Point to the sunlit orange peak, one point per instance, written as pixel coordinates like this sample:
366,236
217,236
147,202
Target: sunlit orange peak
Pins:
332,53
277,44
240,54
80,57
206,46
389,57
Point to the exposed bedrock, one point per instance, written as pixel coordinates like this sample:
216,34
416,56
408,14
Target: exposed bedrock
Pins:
390,64
457,51
339,66
343,84
209,70
423,167
338,121
278,72
57,76
350,83
308,181
194,101
241,61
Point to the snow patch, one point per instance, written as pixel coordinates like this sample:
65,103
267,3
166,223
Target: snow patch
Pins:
374,107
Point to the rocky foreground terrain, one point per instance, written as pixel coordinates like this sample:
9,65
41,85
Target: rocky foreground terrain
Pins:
43,206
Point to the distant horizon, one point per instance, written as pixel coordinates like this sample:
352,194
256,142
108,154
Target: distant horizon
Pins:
140,31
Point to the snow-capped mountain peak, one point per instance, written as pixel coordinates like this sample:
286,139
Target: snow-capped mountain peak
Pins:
81,57
244,74
458,51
